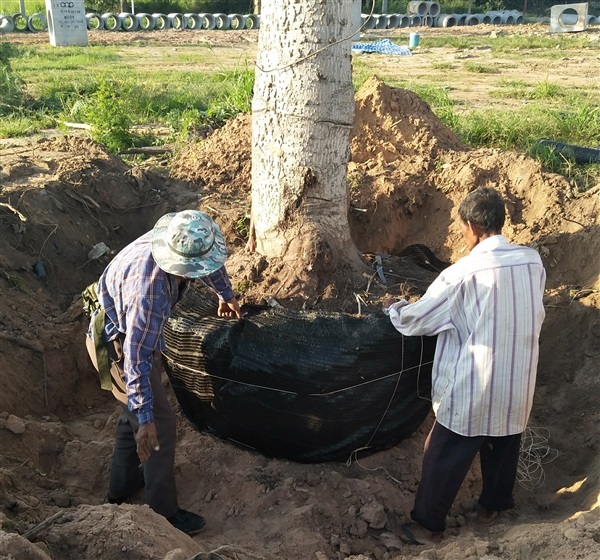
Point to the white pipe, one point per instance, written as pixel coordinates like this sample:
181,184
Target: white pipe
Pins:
416,8
129,22
381,21
94,22
111,21
368,21
404,21
6,24
223,21
177,21
433,9
237,21
37,22
393,21
194,21
415,21
210,21
252,21
445,20
146,22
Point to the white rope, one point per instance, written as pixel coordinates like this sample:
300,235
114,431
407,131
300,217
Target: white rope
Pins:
354,454
197,371
534,452
314,53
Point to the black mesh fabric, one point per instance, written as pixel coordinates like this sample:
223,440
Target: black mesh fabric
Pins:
305,386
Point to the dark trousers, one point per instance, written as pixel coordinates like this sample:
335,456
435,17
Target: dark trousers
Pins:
446,460
159,478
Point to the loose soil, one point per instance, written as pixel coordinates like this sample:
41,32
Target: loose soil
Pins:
62,196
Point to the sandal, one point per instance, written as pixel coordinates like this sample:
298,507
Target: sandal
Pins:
407,534
487,516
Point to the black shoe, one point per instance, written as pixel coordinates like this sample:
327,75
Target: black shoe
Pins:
187,522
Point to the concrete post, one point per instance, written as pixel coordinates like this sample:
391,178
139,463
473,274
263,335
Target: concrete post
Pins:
67,24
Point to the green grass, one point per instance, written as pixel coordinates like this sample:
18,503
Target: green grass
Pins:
93,84
479,68
42,87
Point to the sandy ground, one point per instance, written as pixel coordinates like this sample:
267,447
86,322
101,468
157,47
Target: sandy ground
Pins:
60,197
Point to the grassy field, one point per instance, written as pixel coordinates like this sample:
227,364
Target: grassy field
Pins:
505,88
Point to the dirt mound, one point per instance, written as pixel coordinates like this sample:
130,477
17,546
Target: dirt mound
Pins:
61,199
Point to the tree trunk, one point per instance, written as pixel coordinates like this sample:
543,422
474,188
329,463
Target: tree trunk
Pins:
302,115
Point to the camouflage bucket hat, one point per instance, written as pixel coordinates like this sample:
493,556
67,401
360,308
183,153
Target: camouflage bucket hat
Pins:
188,243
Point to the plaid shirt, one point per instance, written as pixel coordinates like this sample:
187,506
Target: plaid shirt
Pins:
138,298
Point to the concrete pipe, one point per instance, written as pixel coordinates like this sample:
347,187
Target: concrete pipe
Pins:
433,9
223,21
7,25
111,21
37,22
508,17
252,21
238,21
94,22
472,20
162,22
193,21
146,22
381,21
461,19
486,19
569,18
210,22
368,21
129,22
404,21
393,21
416,8
591,20
415,21
445,20
177,21
20,22
427,21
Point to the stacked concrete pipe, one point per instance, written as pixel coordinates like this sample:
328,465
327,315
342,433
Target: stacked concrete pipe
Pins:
419,14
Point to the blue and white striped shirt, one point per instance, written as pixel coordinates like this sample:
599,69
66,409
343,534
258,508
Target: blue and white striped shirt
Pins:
138,297
487,311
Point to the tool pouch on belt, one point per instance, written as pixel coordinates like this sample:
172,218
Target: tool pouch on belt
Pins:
93,309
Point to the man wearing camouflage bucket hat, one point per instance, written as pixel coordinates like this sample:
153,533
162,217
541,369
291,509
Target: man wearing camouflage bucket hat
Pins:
135,296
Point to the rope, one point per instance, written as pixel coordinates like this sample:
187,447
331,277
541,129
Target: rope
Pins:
533,453
354,454
175,364
315,53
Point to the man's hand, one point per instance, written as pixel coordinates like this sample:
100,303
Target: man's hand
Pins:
147,441
229,309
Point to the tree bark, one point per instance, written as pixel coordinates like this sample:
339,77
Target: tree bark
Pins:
302,115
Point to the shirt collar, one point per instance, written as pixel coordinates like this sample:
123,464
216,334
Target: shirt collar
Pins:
489,244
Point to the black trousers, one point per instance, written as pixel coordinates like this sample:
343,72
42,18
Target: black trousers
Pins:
447,458
159,477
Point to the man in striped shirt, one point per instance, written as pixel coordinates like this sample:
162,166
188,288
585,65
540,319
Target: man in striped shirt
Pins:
487,312
137,293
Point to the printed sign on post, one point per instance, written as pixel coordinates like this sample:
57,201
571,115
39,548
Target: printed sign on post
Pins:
67,24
